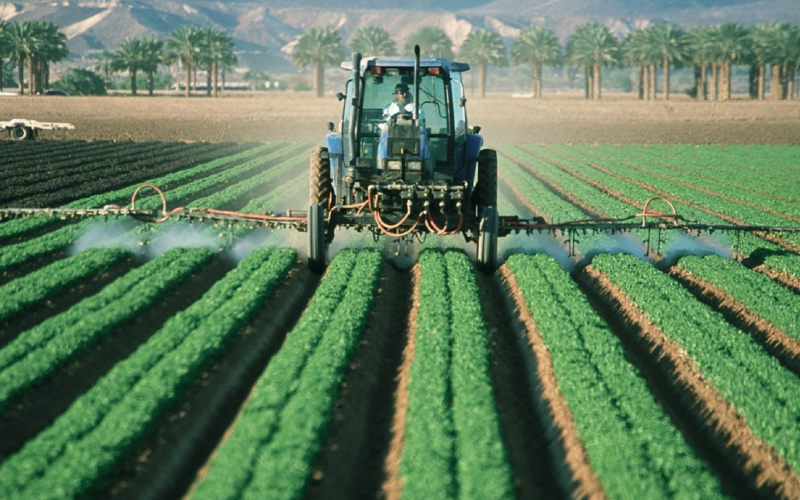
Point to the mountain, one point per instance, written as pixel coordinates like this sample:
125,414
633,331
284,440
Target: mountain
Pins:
265,32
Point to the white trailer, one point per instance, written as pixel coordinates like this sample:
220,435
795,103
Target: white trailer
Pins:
20,129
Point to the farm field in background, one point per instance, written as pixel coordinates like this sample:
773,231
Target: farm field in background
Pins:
199,361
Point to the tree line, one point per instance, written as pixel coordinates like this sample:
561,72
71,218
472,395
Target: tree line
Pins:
771,51
37,44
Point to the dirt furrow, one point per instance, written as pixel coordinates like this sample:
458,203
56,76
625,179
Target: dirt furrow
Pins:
570,463
165,465
774,339
748,466
359,441
525,430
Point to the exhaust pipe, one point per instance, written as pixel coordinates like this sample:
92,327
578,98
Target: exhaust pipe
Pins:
416,83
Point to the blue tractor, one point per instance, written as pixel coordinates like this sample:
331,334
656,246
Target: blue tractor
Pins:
421,170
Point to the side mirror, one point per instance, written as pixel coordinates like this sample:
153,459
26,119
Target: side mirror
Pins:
462,102
476,130
331,127
340,96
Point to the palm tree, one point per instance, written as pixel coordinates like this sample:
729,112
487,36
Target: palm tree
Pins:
637,51
23,42
318,47
216,47
432,42
373,41
593,46
536,46
255,76
152,55
483,48
130,56
702,53
729,45
4,48
784,53
670,45
184,46
104,64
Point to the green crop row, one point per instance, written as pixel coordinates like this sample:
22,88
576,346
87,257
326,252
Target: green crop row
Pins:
756,384
35,288
631,444
17,227
272,449
84,444
756,291
40,351
682,167
453,444
55,241
773,255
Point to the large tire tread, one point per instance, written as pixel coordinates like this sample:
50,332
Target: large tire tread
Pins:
486,187
321,182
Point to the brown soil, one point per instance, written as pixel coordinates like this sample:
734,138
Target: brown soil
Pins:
351,462
168,461
748,465
298,116
574,474
774,339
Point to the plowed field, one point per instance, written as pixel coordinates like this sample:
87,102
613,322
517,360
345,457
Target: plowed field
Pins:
173,360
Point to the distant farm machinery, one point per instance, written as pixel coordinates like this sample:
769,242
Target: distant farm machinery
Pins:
21,129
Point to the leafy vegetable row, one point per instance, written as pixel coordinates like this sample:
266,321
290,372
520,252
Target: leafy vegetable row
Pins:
84,444
757,385
272,449
453,443
40,351
631,444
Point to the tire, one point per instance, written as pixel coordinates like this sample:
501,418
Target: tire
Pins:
321,188
485,193
487,240
317,245
20,133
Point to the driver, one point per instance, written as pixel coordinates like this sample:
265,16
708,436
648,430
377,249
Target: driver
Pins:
403,102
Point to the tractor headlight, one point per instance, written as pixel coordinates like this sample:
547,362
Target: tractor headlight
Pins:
415,165
394,165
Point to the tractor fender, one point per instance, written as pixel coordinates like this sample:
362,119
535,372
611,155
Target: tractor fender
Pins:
471,153
335,148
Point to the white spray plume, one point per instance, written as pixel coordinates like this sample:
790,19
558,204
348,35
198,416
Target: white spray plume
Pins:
544,242
686,244
118,233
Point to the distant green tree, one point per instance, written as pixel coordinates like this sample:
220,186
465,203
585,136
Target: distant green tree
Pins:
536,46
184,46
152,56
317,48
432,41
5,51
256,77
483,48
216,47
104,64
373,41
671,46
592,47
130,57
81,82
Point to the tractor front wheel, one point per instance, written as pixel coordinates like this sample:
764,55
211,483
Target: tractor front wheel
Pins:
487,240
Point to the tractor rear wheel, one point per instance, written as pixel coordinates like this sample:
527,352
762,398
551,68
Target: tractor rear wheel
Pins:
321,190
487,240
486,187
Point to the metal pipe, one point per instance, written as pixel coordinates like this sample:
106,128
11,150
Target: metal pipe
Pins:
416,83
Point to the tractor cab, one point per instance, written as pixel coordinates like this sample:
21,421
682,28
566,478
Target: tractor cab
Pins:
423,138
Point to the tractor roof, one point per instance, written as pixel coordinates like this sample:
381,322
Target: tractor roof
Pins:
407,62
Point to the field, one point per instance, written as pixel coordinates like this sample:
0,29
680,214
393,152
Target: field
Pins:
177,360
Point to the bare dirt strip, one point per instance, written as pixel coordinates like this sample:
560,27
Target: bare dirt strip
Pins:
351,462
571,462
41,405
748,466
773,339
166,463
